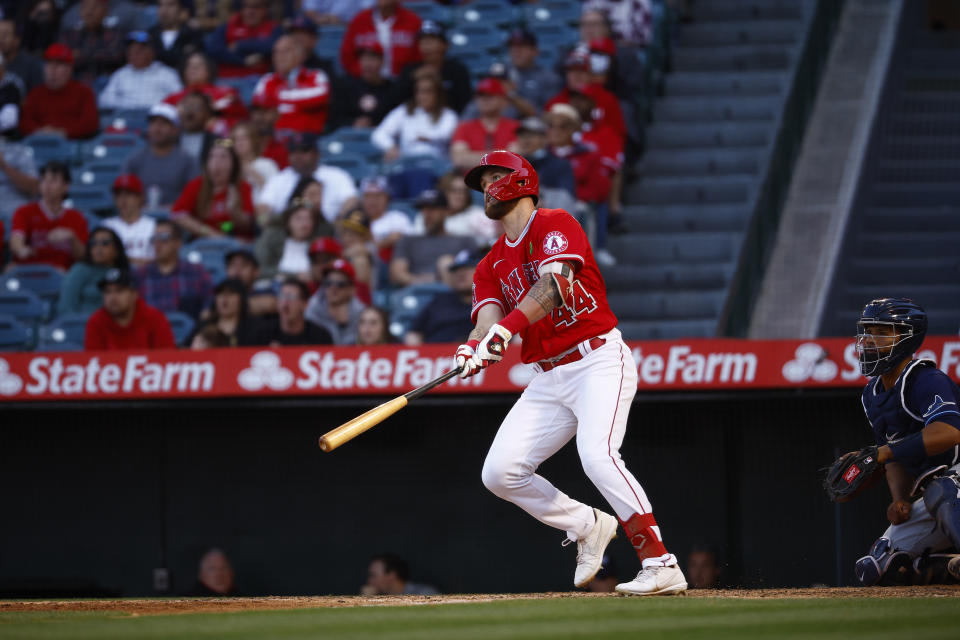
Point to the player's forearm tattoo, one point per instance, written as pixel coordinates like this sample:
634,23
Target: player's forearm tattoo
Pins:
479,331
546,293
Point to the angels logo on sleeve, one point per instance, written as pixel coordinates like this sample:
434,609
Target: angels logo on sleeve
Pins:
554,243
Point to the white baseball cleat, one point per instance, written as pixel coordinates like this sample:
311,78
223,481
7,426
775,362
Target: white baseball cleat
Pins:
953,567
655,581
590,549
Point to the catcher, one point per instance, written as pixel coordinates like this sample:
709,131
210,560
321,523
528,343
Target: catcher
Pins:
912,408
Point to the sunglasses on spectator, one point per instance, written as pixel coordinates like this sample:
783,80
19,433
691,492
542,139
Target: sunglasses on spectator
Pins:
162,237
338,284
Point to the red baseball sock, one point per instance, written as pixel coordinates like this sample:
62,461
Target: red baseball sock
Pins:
644,535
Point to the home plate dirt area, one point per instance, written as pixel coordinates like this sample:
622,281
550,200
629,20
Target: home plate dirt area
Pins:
166,606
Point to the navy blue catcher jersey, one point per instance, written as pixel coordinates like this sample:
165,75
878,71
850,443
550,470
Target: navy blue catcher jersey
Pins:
923,394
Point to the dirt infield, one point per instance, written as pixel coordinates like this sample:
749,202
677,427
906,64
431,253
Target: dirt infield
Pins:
164,606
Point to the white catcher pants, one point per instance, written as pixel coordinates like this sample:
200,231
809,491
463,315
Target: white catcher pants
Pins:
589,399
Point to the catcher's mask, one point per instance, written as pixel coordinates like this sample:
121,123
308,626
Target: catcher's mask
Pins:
881,352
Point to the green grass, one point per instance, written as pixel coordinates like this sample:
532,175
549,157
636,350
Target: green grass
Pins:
595,618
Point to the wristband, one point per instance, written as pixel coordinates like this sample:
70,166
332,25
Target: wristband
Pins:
473,344
909,450
515,321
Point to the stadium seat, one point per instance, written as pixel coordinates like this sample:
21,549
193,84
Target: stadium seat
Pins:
328,41
181,324
100,174
470,37
111,146
42,279
552,11
125,120
431,10
555,36
244,86
24,305
350,140
90,200
498,12
437,165
47,148
64,332
353,163
406,303
14,335
208,251
59,346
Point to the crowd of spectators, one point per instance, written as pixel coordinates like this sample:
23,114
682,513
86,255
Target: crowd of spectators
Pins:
315,251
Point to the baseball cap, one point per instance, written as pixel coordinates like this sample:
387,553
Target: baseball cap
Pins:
497,70
139,36
230,284
604,46
241,251
373,47
521,36
465,258
166,111
303,141
375,184
343,267
356,221
115,276
128,182
430,198
579,58
490,87
564,110
58,52
301,22
532,125
431,28
327,245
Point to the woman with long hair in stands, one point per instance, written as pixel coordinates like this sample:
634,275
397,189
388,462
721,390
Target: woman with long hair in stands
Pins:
219,202
249,147
284,249
199,75
373,327
79,292
421,126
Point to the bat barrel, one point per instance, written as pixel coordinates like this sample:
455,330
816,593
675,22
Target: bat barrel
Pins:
350,430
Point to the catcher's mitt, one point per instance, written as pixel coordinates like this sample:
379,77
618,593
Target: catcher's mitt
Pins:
852,473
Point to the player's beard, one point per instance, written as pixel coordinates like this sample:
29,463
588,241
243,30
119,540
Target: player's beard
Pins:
496,209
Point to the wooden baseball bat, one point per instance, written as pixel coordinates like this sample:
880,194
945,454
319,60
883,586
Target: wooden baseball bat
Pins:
350,430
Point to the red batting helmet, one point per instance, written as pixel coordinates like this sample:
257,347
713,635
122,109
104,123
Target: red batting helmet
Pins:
522,181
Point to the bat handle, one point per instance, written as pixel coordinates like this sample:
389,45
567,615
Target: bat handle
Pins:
416,393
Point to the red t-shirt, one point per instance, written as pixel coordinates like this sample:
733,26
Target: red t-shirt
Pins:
591,173
187,204
226,102
72,108
362,32
606,110
479,139
35,224
508,271
149,329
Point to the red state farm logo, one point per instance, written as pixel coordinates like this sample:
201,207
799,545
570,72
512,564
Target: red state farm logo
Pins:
851,473
554,242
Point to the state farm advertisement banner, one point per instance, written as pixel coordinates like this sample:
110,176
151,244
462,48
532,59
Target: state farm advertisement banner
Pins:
691,365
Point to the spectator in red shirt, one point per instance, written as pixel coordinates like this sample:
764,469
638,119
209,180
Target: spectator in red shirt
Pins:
60,105
199,77
578,78
302,95
399,26
45,231
125,321
490,131
242,46
591,174
263,116
218,202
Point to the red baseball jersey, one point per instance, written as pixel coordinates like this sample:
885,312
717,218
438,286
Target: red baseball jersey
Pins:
34,224
508,271
301,106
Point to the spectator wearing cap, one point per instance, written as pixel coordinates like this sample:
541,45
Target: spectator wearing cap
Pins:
18,178
557,184
467,218
304,30
163,167
169,283
284,249
425,258
26,66
173,39
339,190
97,40
229,314
324,12
421,126
290,326
578,78
323,251
257,168
241,263
335,305
199,76
363,100
391,25
79,291
219,202
242,46
533,81
386,225
125,321
302,95
61,105
12,92
196,121
353,232
489,131
517,105
45,231
142,82
432,44
134,229
447,316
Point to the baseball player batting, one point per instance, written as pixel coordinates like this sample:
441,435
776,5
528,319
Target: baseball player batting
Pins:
540,281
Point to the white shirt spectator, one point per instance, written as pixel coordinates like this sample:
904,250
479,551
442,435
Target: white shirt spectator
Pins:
416,134
630,20
136,237
338,187
473,222
130,88
392,221
343,10
295,258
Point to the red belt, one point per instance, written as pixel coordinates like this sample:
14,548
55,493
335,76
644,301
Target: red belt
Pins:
573,356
